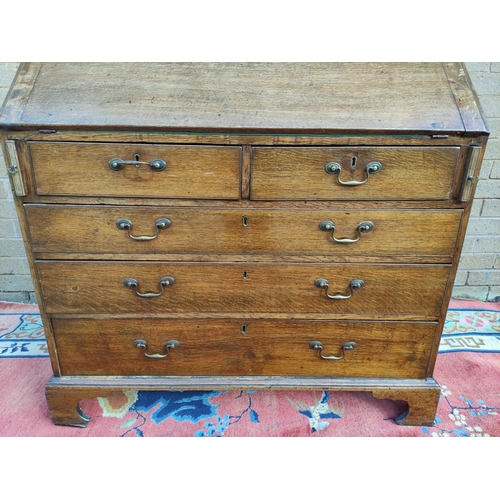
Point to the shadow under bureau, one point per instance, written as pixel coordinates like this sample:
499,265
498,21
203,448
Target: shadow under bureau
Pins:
251,226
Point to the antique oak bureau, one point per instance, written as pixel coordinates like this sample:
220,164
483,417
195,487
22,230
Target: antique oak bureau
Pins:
243,225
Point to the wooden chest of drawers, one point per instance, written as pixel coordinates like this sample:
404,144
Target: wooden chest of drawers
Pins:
263,226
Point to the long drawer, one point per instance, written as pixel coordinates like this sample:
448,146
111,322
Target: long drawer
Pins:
382,173
87,169
129,230
113,287
207,347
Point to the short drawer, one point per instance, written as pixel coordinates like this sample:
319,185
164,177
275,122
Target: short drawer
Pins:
379,173
153,230
88,169
114,287
229,347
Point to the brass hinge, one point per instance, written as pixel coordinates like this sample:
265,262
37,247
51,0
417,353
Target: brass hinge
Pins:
13,169
470,177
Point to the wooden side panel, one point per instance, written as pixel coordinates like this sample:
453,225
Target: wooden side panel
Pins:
407,173
83,169
98,287
206,347
87,229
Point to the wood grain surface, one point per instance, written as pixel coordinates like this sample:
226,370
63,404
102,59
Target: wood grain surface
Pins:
245,97
207,347
299,173
97,287
80,229
82,169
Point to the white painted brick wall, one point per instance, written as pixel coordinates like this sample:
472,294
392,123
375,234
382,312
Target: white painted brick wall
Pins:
479,271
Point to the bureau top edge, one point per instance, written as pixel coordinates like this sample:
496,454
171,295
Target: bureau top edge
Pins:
246,98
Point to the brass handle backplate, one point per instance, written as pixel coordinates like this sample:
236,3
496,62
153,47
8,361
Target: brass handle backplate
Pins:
132,283
363,227
125,224
334,168
171,344
354,285
118,164
348,346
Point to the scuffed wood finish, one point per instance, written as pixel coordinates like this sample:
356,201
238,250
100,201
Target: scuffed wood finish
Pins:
64,394
82,169
245,97
237,139
248,204
15,173
246,172
97,287
422,403
20,90
77,229
299,173
274,348
64,405
468,104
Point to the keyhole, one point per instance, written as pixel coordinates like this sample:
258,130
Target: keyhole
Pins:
245,275
137,157
245,221
353,161
243,329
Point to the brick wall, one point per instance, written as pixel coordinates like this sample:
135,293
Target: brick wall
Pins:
479,271
15,279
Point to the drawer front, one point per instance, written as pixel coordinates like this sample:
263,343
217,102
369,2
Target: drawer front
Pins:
207,347
419,173
84,169
101,287
189,230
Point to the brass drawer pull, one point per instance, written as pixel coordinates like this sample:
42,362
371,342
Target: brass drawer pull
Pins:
132,283
354,285
171,344
363,227
372,168
348,346
160,224
117,164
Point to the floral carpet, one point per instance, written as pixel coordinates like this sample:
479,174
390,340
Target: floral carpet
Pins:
467,368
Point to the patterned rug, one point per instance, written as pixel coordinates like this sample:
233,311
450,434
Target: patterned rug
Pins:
21,332
468,369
